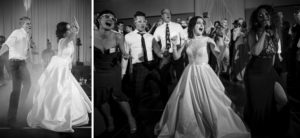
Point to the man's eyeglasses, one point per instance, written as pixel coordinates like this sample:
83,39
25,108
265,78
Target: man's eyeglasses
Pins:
144,21
107,16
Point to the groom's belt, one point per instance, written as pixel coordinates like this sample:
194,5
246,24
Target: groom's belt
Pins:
150,64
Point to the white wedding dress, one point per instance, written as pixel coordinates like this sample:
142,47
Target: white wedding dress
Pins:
198,106
59,102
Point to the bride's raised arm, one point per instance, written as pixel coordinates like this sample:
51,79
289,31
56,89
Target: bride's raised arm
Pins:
74,31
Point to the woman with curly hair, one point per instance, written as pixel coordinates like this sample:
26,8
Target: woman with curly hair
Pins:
198,106
265,92
59,102
109,45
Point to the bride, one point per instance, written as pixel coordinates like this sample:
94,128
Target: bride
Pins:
60,103
198,106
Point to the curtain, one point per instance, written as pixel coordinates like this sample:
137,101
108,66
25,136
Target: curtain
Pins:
45,14
220,9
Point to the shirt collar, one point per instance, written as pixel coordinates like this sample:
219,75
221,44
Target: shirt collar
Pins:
136,31
23,30
167,23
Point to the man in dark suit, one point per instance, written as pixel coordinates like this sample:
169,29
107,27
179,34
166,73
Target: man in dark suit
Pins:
293,62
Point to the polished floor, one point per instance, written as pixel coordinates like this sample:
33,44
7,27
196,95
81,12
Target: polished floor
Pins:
151,109
80,132
25,131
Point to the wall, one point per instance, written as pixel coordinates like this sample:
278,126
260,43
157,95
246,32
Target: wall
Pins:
45,14
127,8
153,7
249,4
286,10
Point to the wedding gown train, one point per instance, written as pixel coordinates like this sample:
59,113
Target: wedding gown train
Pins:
198,106
59,103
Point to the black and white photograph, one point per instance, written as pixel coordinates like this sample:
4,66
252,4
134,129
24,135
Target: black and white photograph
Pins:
196,68
45,69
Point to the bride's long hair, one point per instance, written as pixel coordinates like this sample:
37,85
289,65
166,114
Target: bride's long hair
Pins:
191,26
61,29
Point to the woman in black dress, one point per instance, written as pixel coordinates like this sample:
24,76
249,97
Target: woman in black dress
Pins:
107,76
265,92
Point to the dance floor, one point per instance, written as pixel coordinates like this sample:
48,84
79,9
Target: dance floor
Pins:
151,110
80,132
26,132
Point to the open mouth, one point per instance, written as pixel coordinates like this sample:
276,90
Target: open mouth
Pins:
267,22
109,24
201,29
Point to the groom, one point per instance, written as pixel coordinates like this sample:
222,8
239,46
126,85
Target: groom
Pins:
18,45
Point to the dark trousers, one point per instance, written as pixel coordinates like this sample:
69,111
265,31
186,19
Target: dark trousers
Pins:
145,84
170,73
165,73
140,73
20,77
179,66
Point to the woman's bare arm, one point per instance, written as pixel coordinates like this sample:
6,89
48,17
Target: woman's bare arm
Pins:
256,46
74,32
120,42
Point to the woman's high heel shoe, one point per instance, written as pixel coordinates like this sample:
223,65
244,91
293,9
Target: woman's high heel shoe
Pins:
132,125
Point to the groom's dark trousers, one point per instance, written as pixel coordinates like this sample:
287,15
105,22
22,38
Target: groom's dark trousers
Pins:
20,81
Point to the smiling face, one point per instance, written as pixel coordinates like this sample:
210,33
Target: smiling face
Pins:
224,23
263,18
27,25
241,21
178,20
166,15
183,24
160,22
107,21
297,17
120,26
140,23
199,27
128,29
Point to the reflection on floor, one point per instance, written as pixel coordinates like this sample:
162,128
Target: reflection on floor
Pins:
80,132
151,110
23,109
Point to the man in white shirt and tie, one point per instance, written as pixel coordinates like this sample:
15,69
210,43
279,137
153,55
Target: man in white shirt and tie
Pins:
141,46
163,34
18,45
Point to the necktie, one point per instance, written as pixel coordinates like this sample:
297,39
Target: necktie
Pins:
168,42
144,47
